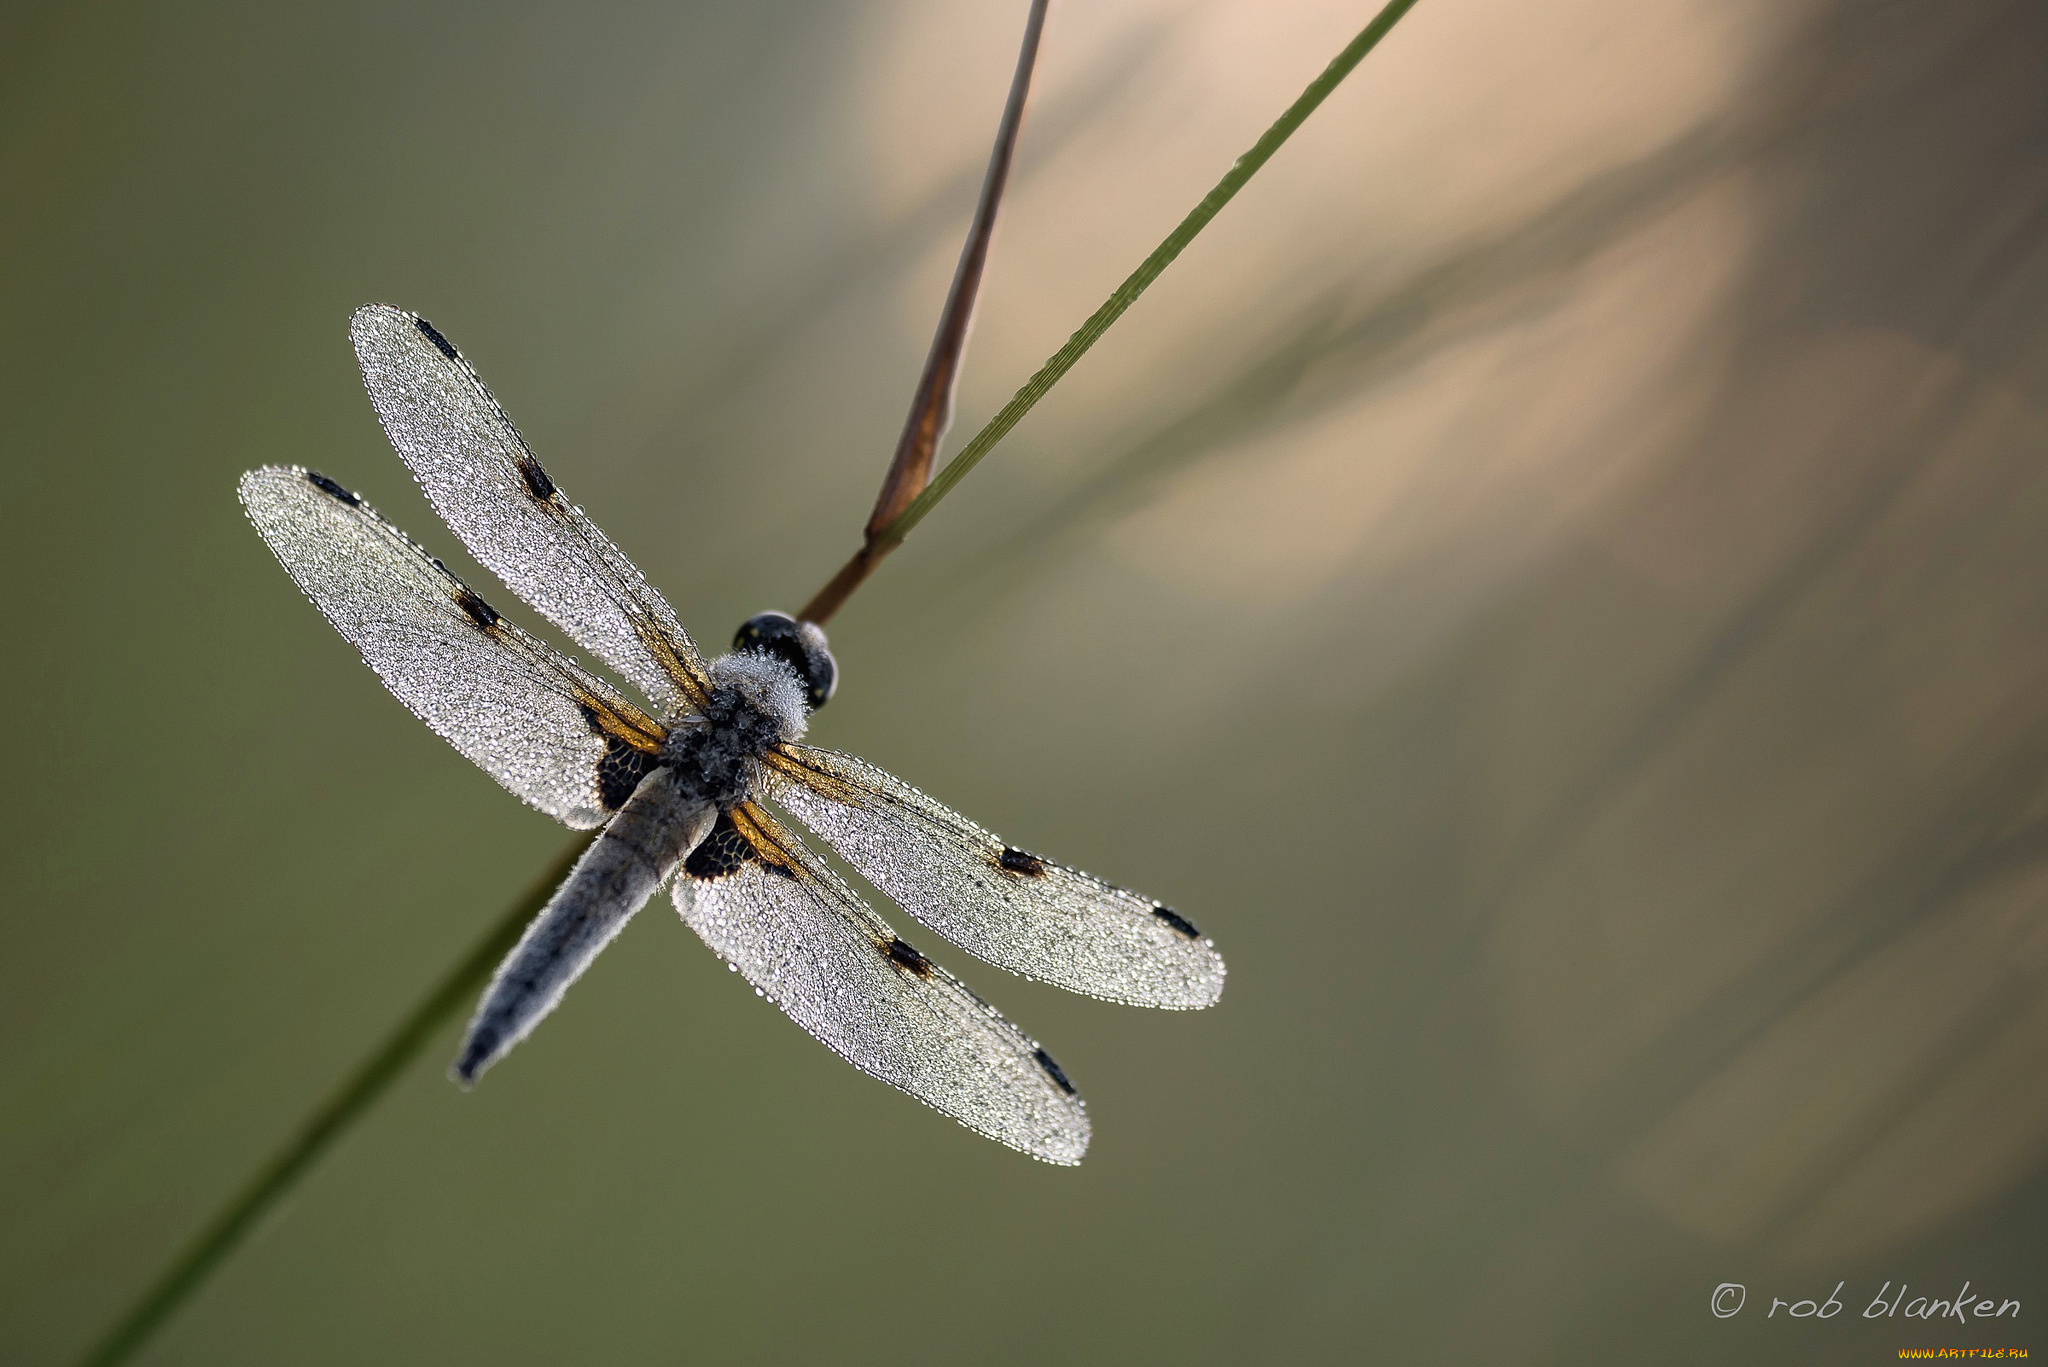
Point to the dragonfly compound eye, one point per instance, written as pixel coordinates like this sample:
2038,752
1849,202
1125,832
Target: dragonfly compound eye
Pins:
800,645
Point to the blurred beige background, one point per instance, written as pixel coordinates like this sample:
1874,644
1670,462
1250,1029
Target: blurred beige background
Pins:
1555,581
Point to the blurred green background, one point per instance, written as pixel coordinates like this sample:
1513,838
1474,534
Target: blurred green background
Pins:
1556,582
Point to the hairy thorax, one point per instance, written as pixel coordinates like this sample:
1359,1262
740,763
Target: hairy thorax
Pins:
756,703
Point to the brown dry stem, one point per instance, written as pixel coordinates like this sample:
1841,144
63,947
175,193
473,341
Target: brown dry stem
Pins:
931,404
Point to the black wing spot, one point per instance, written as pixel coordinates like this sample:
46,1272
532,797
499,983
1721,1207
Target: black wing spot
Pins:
1177,921
480,612
433,334
537,482
1014,860
724,851
904,956
619,772
1052,1070
331,489
620,768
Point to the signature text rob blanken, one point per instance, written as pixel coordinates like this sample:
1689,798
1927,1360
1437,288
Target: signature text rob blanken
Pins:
1730,1297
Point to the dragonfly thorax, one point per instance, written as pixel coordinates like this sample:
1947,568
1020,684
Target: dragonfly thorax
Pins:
756,702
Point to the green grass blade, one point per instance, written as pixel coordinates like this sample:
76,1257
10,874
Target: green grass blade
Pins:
1149,270
457,989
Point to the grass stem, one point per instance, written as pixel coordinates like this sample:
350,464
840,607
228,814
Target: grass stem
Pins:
457,989
1242,170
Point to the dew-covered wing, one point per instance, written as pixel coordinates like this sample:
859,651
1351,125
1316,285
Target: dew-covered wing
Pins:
997,902
489,489
793,928
538,723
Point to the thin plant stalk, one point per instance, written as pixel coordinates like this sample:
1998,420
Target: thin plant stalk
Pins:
879,544
931,404
456,990
194,1264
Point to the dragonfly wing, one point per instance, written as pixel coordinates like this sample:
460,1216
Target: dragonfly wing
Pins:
999,903
793,928
491,491
548,730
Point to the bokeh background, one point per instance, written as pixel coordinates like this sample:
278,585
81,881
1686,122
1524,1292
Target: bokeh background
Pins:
1555,581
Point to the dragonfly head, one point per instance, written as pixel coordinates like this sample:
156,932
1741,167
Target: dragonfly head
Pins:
800,645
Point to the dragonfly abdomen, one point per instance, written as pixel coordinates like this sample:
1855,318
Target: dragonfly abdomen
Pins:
655,831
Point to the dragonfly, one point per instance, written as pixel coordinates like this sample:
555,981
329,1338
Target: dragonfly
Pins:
684,785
